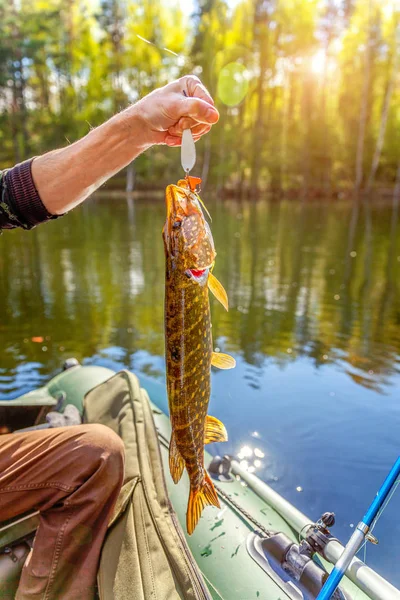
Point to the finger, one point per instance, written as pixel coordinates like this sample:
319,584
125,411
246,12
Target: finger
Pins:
199,110
187,123
200,130
183,123
196,88
197,138
192,85
174,140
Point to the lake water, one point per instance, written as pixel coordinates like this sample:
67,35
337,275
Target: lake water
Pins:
314,325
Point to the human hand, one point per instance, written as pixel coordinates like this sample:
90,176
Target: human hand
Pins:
167,111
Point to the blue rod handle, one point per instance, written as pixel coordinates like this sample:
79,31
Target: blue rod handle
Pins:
358,536
330,585
382,493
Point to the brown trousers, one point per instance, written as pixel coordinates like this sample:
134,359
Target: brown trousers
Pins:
72,475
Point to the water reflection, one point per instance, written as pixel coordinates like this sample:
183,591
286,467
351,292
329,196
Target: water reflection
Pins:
314,324
302,280
249,458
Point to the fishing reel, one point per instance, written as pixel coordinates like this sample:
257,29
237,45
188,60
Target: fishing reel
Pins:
220,468
296,568
317,535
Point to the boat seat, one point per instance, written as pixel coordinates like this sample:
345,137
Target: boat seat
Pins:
20,527
16,540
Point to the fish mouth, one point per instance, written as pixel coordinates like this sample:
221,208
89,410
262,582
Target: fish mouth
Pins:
180,203
177,200
195,239
174,205
172,202
200,276
197,272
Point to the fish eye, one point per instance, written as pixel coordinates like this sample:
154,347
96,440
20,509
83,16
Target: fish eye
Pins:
177,225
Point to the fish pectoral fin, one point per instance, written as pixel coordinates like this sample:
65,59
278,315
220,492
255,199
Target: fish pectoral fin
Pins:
222,361
199,498
214,431
176,462
218,290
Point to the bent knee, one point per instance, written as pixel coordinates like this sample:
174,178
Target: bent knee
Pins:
105,449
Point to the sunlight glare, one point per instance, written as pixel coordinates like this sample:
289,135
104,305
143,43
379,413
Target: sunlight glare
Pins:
388,9
245,452
233,83
318,62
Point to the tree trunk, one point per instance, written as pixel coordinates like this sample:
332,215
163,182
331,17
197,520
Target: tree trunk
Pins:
130,177
240,149
20,134
261,21
382,128
221,159
117,34
363,113
14,121
44,87
23,112
69,26
206,161
284,132
307,110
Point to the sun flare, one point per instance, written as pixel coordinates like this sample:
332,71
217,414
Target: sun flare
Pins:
318,62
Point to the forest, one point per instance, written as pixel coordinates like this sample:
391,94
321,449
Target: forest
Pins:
308,90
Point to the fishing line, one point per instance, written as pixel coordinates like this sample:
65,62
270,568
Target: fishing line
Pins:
378,516
181,57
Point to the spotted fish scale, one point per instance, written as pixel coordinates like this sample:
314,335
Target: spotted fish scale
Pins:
190,256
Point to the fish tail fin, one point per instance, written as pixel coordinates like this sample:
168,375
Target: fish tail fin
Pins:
176,462
199,498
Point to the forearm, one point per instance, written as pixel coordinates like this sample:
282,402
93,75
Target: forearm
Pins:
64,178
34,192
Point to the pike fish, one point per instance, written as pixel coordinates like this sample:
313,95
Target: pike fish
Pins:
190,256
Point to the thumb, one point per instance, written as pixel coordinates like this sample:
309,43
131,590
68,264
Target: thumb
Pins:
198,109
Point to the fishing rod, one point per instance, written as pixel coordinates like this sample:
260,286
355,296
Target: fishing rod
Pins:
361,534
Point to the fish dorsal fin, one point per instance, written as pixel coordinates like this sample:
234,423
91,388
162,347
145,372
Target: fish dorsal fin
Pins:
222,361
218,290
199,498
176,462
214,431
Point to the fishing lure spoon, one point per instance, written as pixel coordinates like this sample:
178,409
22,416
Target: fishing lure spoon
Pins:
188,151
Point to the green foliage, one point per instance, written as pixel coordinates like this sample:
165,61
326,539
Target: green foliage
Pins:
301,85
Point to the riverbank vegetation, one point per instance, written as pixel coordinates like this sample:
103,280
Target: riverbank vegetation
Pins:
308,90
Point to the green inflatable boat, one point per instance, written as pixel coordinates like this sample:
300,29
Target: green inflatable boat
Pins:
257,546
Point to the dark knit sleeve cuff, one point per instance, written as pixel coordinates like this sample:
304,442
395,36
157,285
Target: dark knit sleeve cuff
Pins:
24,197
